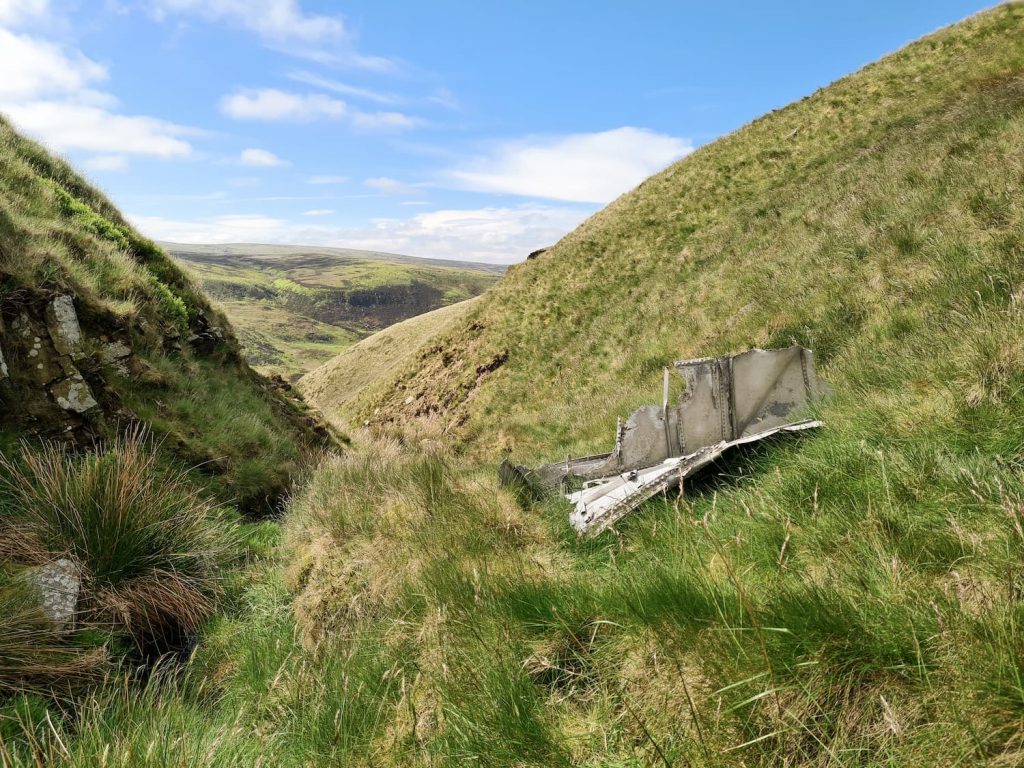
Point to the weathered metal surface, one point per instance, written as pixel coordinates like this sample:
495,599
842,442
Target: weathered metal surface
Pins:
605,502
727,401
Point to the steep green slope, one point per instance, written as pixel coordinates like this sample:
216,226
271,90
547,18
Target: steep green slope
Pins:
857,221
297,306
99,329
848,598
352,375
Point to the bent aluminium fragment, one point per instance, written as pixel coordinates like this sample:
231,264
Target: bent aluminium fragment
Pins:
726,402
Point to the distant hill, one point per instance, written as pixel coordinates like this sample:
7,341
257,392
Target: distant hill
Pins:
297,306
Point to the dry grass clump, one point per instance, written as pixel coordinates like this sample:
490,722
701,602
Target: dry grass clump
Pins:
147,541
34,653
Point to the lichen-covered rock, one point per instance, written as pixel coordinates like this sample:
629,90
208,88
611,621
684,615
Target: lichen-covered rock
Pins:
65,332
116,353
59,583
73,394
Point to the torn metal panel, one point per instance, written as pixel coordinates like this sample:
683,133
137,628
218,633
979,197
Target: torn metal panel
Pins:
727,401
604,502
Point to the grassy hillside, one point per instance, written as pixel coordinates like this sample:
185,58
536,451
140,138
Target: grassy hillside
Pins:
865,214
337,384
851,597
147,346
297,307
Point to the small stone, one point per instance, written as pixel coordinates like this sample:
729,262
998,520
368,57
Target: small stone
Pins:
59,583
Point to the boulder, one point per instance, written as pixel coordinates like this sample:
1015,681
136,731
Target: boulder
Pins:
62,322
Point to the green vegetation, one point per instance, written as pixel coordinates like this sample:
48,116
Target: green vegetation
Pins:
34,656
297,307
58,235
353,374
845,598
148,543
230,432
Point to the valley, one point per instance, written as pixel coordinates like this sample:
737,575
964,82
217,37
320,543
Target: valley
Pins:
203,565
296,307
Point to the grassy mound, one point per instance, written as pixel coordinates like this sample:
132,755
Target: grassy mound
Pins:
850,597
349,378
58,235
147,543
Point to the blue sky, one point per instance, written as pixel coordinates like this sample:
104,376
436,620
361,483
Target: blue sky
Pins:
476,131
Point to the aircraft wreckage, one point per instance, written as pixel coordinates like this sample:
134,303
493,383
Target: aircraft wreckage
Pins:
726,402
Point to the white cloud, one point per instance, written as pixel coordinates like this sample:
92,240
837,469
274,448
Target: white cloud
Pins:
387,184
319,212
13,12
252,228
273,105
33,67
283,25
327,180
271,20
584,167
260,158
65,125
106,163
45,90
495,235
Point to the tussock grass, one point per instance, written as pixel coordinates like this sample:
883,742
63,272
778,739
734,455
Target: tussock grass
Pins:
147,541
34,654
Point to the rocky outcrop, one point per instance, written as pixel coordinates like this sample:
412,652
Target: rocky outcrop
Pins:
73,394
52,380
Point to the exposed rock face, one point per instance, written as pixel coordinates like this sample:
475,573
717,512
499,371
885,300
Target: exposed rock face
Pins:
59,583
65,331
116,353
73,394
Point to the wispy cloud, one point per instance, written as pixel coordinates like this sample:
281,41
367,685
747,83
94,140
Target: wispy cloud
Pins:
319,212
66,126
15,12
285,26
260,158
106,163
323,180
274,105
583,167
33,67
345,89
389,185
